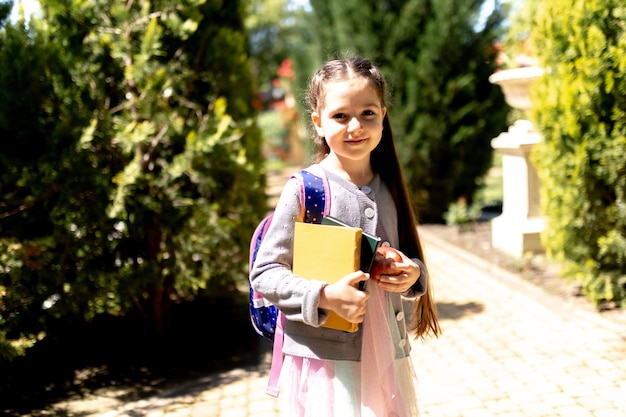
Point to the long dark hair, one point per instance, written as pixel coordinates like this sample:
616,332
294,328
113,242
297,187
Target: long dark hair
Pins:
385,162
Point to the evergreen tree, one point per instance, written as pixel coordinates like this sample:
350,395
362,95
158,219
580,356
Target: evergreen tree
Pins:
5,10
579,107
29,113
437,61
135,180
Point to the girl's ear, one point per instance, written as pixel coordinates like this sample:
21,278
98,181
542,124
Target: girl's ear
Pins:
317,122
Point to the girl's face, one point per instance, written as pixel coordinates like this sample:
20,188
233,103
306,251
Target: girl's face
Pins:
351,118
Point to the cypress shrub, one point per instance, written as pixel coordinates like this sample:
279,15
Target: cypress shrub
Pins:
580,109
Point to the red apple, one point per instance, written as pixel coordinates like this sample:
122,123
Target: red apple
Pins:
383,262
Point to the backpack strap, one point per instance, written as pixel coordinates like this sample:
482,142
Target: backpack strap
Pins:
257,237
314,191
315,204
263,314
277,357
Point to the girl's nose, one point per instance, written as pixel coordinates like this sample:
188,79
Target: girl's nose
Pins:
354,125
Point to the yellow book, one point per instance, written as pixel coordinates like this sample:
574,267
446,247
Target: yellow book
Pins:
327,253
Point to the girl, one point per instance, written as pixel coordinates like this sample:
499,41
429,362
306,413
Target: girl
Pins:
327,372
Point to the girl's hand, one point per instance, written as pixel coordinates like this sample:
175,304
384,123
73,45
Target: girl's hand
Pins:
400,275
344,298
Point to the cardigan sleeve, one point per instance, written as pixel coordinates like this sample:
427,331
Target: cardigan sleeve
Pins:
419,288
272,276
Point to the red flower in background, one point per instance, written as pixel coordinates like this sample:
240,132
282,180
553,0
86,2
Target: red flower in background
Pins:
286,69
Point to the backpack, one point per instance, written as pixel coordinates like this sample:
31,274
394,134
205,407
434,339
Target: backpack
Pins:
266,319
313,190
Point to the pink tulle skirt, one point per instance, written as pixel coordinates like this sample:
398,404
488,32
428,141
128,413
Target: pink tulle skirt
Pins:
378,386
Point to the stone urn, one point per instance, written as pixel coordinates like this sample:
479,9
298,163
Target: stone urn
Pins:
515,84
517,230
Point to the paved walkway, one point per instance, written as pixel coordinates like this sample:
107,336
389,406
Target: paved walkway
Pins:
508,349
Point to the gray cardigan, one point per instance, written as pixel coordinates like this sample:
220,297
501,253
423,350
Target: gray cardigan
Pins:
298,298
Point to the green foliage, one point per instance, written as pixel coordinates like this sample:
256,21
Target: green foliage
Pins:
5,10
274,34
437,61
518,47
273,130
580,108
33,171
489,195
491,191
460,213
130,165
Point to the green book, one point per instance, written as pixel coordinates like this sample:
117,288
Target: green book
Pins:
369,244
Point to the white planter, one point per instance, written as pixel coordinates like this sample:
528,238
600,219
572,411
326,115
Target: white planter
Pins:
516,231
515,84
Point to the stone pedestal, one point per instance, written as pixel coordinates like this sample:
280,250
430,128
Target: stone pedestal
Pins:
517,230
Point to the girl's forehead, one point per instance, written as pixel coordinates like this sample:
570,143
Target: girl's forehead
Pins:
356,82
350,88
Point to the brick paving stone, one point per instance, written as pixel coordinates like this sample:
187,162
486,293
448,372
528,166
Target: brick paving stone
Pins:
609,413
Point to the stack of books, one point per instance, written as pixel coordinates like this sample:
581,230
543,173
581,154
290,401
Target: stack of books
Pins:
330,251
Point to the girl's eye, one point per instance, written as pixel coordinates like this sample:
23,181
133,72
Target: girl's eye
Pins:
339,116
368,113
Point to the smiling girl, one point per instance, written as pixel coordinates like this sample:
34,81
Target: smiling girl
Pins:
326,372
